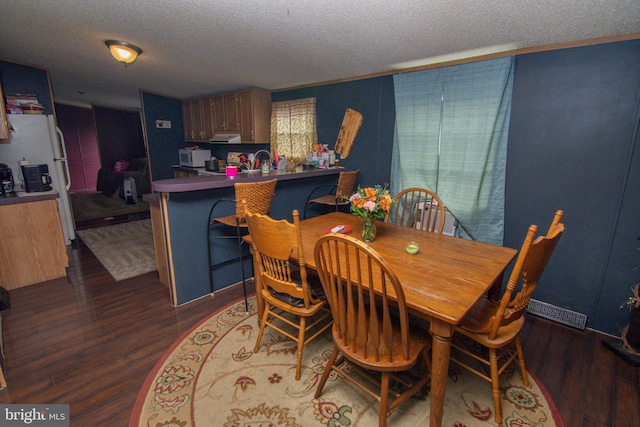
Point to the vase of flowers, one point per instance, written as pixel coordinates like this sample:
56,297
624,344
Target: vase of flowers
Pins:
369,230
371,203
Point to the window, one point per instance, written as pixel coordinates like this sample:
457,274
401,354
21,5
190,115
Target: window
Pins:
451,137
293,127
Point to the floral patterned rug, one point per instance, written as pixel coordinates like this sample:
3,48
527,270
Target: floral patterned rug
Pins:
212,377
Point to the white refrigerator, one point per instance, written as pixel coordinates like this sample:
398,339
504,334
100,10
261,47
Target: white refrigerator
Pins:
37,139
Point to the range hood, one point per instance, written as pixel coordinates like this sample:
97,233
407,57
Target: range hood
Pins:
225,138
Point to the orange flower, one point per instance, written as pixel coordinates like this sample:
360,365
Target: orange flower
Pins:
371,202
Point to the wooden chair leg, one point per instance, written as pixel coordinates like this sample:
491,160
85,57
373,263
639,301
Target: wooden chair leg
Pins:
384,400
327,370
523,369
263,324
303,324
495,384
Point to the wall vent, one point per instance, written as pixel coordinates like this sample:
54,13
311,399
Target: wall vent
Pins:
559,314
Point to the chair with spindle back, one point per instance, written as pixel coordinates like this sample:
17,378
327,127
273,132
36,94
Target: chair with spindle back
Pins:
365,332
496,324
286,289
418,208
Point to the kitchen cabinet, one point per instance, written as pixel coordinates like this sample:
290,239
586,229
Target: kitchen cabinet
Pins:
225,113
32,246
197,120
4,125
254,106
247,112
187,121
184,173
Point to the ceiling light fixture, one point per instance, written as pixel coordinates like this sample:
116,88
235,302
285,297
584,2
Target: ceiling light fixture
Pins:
122,51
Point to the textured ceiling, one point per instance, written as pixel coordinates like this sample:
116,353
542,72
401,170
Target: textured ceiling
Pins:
194,48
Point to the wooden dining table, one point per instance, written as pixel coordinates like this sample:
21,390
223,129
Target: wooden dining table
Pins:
441,282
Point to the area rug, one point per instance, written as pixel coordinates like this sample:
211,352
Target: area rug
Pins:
212,377
88,207
125,249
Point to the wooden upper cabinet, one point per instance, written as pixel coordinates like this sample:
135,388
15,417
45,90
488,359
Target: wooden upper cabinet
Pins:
231,111
225,113
247,112
187,121
254,106
206,120
197,120
4,125
217,112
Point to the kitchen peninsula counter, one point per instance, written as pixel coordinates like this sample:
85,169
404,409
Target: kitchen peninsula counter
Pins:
180,210
212,180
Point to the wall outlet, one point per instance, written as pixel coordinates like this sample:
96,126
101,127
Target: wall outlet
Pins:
163,124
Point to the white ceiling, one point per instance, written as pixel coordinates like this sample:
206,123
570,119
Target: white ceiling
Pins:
194,48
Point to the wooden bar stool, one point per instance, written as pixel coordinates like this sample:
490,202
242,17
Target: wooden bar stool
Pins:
338,194
258,196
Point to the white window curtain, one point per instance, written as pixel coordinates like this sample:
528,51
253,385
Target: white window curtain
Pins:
451,137
293,127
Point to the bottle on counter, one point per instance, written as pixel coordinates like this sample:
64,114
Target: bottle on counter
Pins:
282,163
332,158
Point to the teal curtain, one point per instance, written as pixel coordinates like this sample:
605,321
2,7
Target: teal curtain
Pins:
451,134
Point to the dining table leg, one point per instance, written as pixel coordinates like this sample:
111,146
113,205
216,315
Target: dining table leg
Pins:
441,333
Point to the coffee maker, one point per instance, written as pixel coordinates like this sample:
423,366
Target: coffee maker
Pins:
6,175
36,178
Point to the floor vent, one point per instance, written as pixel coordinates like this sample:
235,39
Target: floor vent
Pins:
559,314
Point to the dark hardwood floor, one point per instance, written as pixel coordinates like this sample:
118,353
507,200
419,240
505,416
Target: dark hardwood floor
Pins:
90,342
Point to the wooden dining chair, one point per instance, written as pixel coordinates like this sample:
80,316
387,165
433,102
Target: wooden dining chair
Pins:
496,324
337,194
258,196
418,208
365,332
286,288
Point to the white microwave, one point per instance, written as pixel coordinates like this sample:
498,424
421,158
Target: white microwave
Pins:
194,158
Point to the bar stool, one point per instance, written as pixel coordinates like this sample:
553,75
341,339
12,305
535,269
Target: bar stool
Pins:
258,196
338,194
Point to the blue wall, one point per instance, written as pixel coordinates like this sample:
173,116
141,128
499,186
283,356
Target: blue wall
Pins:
572,136
17,78
573,133
371,152
572,142
162,144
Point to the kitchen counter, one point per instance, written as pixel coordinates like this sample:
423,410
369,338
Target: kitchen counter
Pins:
24,197
211,180
179,213
32,245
